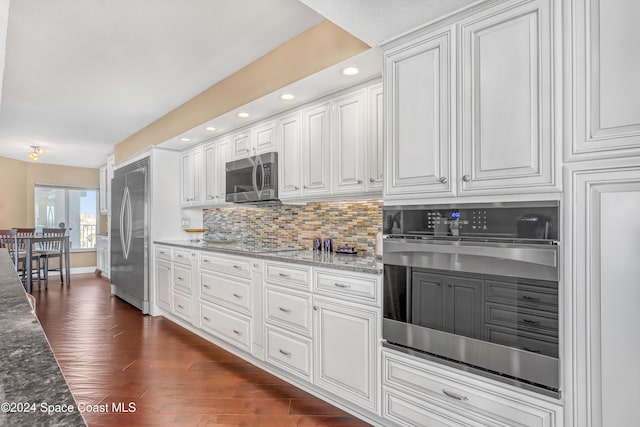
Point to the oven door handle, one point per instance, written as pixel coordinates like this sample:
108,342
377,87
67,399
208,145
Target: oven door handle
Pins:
544,255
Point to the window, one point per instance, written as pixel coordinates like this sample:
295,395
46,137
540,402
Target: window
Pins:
76,207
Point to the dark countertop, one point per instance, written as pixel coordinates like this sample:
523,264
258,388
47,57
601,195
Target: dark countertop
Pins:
358,263
29,373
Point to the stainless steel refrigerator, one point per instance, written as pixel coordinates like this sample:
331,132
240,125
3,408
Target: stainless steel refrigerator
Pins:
130,233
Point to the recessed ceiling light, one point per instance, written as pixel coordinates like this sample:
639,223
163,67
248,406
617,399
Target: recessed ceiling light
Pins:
350,71
287,96
210,128
185,139
243,115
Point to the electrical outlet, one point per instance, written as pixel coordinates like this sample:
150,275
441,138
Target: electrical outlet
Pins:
185,223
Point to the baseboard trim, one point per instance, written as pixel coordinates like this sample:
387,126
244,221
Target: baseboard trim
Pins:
83,270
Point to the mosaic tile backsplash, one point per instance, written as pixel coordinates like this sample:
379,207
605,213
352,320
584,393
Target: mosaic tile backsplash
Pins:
352,223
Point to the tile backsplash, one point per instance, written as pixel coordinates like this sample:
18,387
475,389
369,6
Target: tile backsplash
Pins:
353,223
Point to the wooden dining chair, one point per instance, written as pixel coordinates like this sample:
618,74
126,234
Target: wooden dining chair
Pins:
50,250
35,258
8,241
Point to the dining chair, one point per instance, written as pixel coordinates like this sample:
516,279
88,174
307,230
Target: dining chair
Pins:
50,250
35,258
8,240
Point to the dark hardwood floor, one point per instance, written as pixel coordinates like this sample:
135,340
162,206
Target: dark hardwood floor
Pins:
110,354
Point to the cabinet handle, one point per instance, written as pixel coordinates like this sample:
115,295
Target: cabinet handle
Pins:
284,275
342,285
286,353
237,296
206,286
466,178
180,306
455,395
532,299
206,318
255,265
236,267
304,186
295,187
284,310
180,256
443,179
531,322
315,308
163,252
206,261
372,180
359,181
533,350
237,332
180,278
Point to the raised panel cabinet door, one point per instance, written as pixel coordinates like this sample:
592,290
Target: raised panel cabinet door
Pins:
418,93
290,155
605,295
464,307
316,150
197,163
375,137
222,152
163,284
186,177
104,209
506,100
210,173
349,150
427,300
346,351
603,83
241,145
264,138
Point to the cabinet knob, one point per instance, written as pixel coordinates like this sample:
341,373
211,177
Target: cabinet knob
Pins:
443,179
304,186
372,180
315,308
359,181
295,187
466,178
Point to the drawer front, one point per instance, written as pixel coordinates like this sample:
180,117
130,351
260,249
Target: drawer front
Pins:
182,278
288,310
348,286
226,291
182,305
537,297
535,343
163,252
415,379
289,275
289,352
183,256
227,325
235,266
524,319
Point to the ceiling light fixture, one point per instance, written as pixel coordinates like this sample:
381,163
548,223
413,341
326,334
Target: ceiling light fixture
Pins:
210,128
287,96
35,154
350,71
243,115
185,139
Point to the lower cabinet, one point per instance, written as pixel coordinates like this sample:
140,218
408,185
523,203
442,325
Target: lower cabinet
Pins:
290,352
163,284
103,261
226,324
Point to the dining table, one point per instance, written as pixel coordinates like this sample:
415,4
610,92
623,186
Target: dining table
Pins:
29,241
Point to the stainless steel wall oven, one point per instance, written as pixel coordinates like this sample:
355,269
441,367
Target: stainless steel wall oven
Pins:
476,287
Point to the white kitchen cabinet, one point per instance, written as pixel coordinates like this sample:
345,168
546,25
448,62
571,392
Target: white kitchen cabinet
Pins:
103,256
255,140
106,175
316,150
164,291
506,100
290,157
418,104
346,350
348,143
375,137
602,108
191,163
226,324
603,294
216,155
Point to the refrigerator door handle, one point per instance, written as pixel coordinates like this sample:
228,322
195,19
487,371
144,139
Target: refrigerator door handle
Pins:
125,228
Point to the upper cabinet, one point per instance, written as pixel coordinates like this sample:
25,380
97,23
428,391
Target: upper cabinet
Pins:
216,155
602,90
191,176
316,150
106,175
375,138
290,158
256,140
349,149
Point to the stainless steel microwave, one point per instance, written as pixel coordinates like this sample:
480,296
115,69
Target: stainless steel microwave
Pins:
254,179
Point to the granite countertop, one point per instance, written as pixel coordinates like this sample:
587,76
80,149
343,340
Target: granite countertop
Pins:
29,373
358,263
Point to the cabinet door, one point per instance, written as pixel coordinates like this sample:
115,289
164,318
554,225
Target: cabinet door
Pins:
346,351
349,151
241,145
110,166
375,137
604,296
186,169
418,89
104,209
263,138
316,154
223,157
197,162
290,157
210,173
506,101
163,284
464,306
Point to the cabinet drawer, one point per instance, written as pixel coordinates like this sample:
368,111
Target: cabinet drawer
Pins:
227,325
237,267
226,291
521,318
163,252
289,352
182,305
288,310
528,341
183,256
347,286
417,379
182,278
537,297
288,275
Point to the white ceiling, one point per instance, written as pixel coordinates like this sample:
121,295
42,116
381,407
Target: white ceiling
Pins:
82,75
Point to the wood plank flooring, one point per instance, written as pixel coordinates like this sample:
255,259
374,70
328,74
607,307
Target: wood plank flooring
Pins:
110,353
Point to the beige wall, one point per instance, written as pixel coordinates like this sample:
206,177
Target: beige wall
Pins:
319,47
17,194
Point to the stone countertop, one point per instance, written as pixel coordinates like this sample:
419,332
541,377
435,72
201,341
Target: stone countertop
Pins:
358,263
29,373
